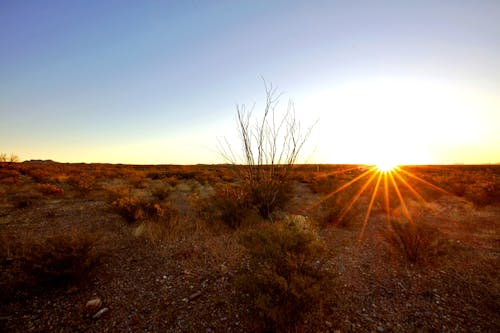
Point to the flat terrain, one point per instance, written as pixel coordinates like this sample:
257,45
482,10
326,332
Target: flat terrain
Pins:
164,250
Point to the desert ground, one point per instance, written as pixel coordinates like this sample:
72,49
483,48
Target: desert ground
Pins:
124,248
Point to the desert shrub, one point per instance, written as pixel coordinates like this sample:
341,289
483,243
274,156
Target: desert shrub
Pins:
40,175
25,199
483,194
13,158
270,148
417,243
82,185
136,209
335,211
50,189
229,204
284,279
35,260
9,175
161,192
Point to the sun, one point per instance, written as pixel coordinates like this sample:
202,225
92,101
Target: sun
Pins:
386,166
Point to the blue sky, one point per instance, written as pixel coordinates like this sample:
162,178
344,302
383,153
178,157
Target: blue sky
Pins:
157,81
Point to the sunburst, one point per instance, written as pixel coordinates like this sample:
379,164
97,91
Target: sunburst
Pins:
391,178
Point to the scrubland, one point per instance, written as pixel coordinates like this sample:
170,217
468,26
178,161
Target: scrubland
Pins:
193,249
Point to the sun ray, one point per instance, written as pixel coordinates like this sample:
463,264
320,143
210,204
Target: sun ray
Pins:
426,182
419,197
341,171
411,188
349,183
401,200
355,198
368,211
386,199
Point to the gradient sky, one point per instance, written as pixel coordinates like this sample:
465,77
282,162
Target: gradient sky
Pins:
157,81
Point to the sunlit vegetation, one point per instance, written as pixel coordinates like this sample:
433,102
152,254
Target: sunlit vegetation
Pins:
196,239
285,279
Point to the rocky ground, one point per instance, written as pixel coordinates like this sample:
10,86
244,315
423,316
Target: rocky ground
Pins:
183,280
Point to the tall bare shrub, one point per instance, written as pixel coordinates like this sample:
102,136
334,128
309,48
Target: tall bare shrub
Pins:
269,149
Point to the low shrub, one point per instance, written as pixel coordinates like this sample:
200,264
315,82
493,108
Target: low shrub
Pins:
268,194
335,211
35,260
49,189
136,209
161,192
284,279
229,204
483,194
25,199
417,243
82,185
9,176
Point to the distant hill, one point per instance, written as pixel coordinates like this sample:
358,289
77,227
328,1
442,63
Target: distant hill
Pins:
40,162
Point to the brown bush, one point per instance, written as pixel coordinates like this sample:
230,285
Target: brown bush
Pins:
161,192
284,280
49,189
25,199
229,204
483,194
135,209
82,185
417,243
34,260
9,175
268,194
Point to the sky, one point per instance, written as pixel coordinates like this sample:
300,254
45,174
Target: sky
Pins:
157,82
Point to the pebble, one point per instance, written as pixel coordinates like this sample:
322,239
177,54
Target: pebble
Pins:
94,304
100,313
195,295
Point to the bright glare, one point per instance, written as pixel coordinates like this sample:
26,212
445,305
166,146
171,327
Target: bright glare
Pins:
386,166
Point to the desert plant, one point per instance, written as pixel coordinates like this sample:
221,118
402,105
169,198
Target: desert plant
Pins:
284,278
25,199
136,209
229,204
13,158
35,260
269,149
416,242
50,189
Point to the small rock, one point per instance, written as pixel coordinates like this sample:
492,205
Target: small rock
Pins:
329,324
224,269
71,290
94,304
100,313
380,329
195,295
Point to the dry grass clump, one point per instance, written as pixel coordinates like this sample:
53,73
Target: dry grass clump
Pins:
38,260
137,209
268,193
417,243
483,194
82,184
50,189
9,175
229,204
284,279
25,199
336,211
